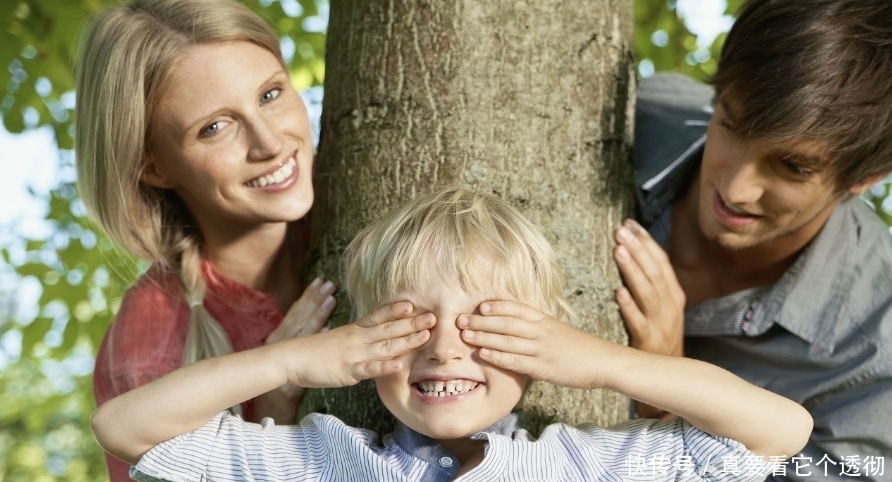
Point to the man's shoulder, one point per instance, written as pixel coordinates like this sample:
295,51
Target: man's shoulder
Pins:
872,231
864,239
672,88
672,112
845,281
872,261
671,117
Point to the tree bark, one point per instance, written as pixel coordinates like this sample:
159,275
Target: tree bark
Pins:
531,100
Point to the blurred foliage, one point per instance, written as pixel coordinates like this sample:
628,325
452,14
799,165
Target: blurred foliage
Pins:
46,352
664,42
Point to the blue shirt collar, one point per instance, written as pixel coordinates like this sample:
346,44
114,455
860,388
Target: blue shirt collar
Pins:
824,267
438,458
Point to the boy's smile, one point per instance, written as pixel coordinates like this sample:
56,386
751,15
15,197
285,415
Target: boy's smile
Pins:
446,391
432,388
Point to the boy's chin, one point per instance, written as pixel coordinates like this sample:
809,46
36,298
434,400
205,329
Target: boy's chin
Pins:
444,430
449,434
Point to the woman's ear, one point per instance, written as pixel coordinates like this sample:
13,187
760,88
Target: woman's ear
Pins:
152,176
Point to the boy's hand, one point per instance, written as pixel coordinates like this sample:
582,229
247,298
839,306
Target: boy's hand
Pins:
365,349
306,316
653,304
522,339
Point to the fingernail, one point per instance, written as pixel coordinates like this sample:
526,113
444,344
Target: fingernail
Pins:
463,322
328,302
484,352
485,308
622,295
622,254
624,234
315,284
327,288
634,226
421,334
469,334
428,319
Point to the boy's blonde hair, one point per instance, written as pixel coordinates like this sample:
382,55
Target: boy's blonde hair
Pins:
127,56
473,238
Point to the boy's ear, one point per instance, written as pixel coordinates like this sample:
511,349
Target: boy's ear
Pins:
152,176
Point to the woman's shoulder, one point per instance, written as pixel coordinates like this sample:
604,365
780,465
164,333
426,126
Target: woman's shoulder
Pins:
153,317
152,306
146,338
158,290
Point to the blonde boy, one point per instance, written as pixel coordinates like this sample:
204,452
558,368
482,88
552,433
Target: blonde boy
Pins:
471,312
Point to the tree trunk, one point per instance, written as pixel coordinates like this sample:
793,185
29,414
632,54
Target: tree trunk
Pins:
530,100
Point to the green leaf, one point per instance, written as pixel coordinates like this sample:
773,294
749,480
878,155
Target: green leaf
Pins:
69,338
13,121
33,334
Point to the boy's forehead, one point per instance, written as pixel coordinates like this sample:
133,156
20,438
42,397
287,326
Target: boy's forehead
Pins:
472,275
436,295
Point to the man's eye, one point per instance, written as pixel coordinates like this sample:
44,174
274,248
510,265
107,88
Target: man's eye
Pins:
270,95
795,169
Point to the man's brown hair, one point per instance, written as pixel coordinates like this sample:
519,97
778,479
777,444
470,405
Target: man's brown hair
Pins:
817,69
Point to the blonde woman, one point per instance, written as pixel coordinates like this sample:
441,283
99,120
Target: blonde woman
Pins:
194,152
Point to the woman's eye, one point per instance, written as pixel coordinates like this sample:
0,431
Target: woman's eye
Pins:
270,95
212,129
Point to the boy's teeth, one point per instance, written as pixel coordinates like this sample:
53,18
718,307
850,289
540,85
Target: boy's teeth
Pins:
280,175
433,388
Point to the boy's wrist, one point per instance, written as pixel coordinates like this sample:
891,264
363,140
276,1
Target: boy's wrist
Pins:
288,356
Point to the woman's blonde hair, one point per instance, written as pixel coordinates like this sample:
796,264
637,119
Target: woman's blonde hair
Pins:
127,55
472,238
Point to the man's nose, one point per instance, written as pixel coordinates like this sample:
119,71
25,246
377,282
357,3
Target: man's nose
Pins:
742,181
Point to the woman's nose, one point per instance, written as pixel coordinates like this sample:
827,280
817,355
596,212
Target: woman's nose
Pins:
265,141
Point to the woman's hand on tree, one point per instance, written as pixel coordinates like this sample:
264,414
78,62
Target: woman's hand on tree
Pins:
309,314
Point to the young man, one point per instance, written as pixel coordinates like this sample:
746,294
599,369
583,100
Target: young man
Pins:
752,190
451,364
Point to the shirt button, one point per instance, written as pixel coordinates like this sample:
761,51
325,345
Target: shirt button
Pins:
446,461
